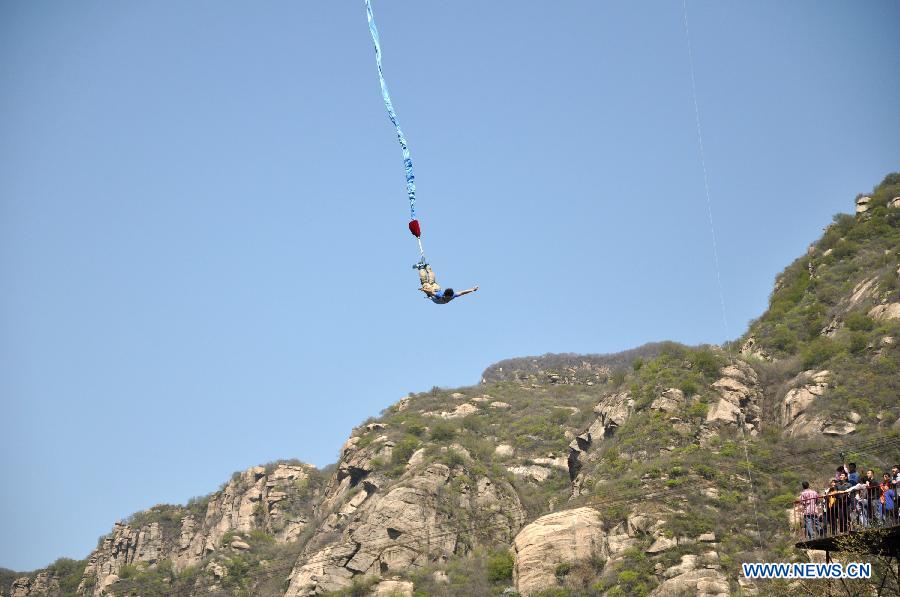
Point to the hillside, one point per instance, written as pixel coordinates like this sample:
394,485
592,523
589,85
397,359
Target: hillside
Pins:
654,471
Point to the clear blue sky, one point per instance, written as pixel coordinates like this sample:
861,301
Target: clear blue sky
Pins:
204,262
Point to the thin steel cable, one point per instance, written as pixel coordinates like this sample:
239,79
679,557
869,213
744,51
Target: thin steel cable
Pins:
709,212
715,245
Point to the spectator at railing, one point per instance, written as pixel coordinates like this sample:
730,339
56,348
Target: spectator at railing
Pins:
887,501
893,503
872,493
832,508
810,509
858,504
843,498
841,470
852,475
895,474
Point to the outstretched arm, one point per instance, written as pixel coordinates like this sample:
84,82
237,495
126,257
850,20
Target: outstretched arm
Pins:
467,291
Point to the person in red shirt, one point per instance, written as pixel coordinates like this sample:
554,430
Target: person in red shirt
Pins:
810,508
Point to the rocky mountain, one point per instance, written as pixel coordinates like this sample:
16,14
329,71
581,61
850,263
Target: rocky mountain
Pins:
568,368
651,472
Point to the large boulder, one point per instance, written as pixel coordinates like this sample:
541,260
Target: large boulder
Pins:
885,312
531,471
669,401
554,539
661,544
700,583
393,588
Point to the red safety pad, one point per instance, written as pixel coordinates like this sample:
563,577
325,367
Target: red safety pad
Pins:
414,228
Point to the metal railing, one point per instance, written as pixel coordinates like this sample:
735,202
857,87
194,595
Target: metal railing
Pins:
841,513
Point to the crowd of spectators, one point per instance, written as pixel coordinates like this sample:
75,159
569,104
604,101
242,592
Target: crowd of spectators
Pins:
852,501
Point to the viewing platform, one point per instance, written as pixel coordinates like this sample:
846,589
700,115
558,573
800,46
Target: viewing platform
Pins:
827,523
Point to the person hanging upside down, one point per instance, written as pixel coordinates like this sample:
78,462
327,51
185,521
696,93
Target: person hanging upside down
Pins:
433,291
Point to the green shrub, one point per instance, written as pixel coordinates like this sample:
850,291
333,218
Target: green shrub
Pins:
474,423
858,342
707,363
688,386
783,339
562,570
859,322
500,566
559,416
818,352
403,450
259,537
362,587
698,410
69,573
416,428
442,431
705,471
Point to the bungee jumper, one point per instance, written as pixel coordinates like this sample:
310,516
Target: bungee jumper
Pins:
426,275
432,290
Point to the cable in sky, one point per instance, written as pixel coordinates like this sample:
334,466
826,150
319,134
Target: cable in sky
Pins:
709,213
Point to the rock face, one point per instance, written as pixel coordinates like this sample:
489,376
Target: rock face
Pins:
418,521
750,349
531,471
669,401
560,538
885,312
838,428
702,583
862,205
44,583
794,406
662,544
862,291
253,500
738,398
125,546
611,412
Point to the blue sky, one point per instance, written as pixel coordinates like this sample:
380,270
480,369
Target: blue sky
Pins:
204,262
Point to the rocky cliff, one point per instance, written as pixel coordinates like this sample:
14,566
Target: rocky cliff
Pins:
655,471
